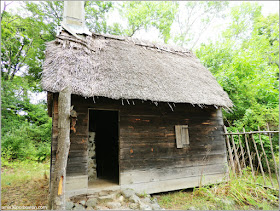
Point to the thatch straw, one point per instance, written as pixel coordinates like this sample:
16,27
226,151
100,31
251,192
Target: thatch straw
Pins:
125,68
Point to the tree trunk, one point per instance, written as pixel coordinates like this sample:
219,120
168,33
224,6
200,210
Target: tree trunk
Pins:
57,185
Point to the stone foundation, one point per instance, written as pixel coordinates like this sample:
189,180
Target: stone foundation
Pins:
126,199
92,174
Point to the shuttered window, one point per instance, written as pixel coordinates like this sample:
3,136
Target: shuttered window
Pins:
182,136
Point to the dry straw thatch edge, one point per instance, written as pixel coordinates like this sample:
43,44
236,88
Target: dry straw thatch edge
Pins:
127,68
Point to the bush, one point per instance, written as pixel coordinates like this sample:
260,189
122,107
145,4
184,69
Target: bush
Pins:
27,142
26,127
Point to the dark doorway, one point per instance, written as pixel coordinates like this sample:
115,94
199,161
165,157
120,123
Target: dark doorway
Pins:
105,124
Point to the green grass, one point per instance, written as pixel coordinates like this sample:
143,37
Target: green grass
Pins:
239,193
22,171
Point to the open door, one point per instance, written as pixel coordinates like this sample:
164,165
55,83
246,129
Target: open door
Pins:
105,125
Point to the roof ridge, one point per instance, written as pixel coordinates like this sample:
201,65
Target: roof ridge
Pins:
146,43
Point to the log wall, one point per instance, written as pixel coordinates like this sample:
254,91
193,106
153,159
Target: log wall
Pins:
148,157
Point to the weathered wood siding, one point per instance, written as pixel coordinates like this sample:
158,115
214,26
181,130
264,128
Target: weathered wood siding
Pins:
54,115
148,156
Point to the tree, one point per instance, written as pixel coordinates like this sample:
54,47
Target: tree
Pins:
245,63
96,12
26,127
242,19
22,46
147,14
193,19
51,13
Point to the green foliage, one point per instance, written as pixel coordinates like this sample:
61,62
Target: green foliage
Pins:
193,18
96,12
51,13
242,20
245,63
19,144
26,127
147,14
48,13
23,45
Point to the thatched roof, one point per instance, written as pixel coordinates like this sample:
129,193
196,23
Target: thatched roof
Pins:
126,68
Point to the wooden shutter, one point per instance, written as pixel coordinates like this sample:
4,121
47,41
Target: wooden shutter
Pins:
185,135
182,136
178,136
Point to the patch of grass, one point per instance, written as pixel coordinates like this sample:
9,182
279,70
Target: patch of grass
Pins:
21,171
239,193
24,183
142,195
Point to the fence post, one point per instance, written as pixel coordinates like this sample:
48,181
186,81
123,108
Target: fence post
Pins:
249,153
235,154
267,163
271,148
242,151
260,162
229,151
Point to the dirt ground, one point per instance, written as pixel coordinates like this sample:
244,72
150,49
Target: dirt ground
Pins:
29,193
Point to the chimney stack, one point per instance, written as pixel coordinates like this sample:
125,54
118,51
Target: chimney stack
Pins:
74,18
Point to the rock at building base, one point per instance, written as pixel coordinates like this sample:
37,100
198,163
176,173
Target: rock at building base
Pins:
107,198
79,207
91,202
82,202
121,198
134,206
147,200
144,206
127,193
116,200
155,207
69,205
134,199
113,205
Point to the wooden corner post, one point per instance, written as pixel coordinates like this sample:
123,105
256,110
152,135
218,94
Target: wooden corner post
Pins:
57,186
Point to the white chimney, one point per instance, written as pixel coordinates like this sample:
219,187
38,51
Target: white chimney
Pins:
74,18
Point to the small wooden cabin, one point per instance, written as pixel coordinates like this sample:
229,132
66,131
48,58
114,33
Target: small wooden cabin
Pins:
148,116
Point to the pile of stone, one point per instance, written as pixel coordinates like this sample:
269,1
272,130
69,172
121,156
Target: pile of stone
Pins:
126,199
92,174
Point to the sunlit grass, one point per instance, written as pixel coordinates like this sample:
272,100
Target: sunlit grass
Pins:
239,193
24,183
21,171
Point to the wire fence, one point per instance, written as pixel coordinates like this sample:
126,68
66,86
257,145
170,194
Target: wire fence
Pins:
253,150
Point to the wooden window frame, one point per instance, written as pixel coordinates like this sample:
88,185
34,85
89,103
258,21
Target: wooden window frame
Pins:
182,136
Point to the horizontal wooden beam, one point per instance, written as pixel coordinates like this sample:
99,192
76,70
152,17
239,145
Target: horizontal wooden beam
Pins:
252,132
